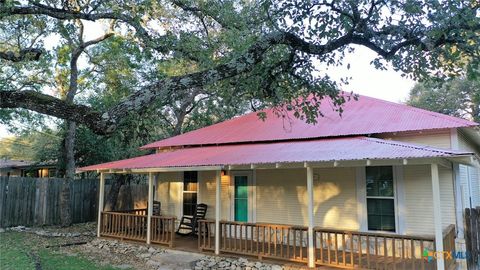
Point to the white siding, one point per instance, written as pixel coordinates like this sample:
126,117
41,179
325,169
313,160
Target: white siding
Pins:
282,198
169,192
470,185
206,193
439,139
464,143
418,199
469,175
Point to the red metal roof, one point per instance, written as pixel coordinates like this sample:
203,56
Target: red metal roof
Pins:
333,149
365,116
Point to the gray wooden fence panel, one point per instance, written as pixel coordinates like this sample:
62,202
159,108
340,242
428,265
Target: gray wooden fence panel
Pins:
35,201
472,237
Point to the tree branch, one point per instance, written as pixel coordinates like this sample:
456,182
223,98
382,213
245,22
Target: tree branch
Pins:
53,106
107,122
31,54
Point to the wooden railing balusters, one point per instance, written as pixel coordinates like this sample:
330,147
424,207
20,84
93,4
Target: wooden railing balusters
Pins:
394,254
385,252
344,255
421,250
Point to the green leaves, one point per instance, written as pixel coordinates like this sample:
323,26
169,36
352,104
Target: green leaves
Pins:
459,97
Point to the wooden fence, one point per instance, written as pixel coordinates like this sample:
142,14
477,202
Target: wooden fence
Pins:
472,237
36,201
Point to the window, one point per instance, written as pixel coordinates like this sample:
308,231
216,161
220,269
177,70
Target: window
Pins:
380,198
190,185
241,198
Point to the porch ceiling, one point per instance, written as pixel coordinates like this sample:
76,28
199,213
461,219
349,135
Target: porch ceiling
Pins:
348,151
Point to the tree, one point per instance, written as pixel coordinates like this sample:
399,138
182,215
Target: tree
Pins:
264,50
76,46
459,97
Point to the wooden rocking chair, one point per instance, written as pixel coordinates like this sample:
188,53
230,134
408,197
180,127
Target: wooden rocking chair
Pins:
189,224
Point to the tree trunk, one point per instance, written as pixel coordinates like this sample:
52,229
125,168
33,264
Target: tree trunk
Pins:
69,158
112,196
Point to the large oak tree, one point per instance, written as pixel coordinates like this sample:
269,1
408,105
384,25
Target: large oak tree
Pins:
265,53
269,44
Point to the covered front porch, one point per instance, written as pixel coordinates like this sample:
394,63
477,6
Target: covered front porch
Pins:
315,212
312,245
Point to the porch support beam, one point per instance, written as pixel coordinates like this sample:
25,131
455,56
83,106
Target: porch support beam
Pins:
101,198
437,216
311,250
149,208
218,208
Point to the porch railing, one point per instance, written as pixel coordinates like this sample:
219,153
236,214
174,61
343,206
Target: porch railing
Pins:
449,247
352,249
284,242
163,230
124,226
139,211
134,227
340,248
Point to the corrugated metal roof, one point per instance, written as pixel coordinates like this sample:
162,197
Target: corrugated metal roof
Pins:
365,116
11,163
338,149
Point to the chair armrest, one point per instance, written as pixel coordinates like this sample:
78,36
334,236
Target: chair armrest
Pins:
186,218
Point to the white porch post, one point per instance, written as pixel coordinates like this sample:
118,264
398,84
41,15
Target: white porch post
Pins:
311,250
217,211
437,217
458,201
150,207
101,197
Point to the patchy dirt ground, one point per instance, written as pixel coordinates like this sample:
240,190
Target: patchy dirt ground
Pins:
76,247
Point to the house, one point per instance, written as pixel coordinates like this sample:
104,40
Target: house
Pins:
24,168
378,187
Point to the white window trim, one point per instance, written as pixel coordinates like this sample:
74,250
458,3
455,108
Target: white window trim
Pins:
252,195
398,199
182,180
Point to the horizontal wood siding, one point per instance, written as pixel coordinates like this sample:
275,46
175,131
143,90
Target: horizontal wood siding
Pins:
335,202
419,199
169,192
206,193
465,143
469,173
439,139
282,198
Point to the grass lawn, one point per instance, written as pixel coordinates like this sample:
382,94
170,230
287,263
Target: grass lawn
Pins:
26,251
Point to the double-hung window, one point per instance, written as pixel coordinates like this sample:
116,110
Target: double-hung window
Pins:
380,198
190,185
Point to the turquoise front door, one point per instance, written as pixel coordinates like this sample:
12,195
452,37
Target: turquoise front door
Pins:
241,198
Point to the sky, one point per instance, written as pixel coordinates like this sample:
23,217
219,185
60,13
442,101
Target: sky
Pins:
366,80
